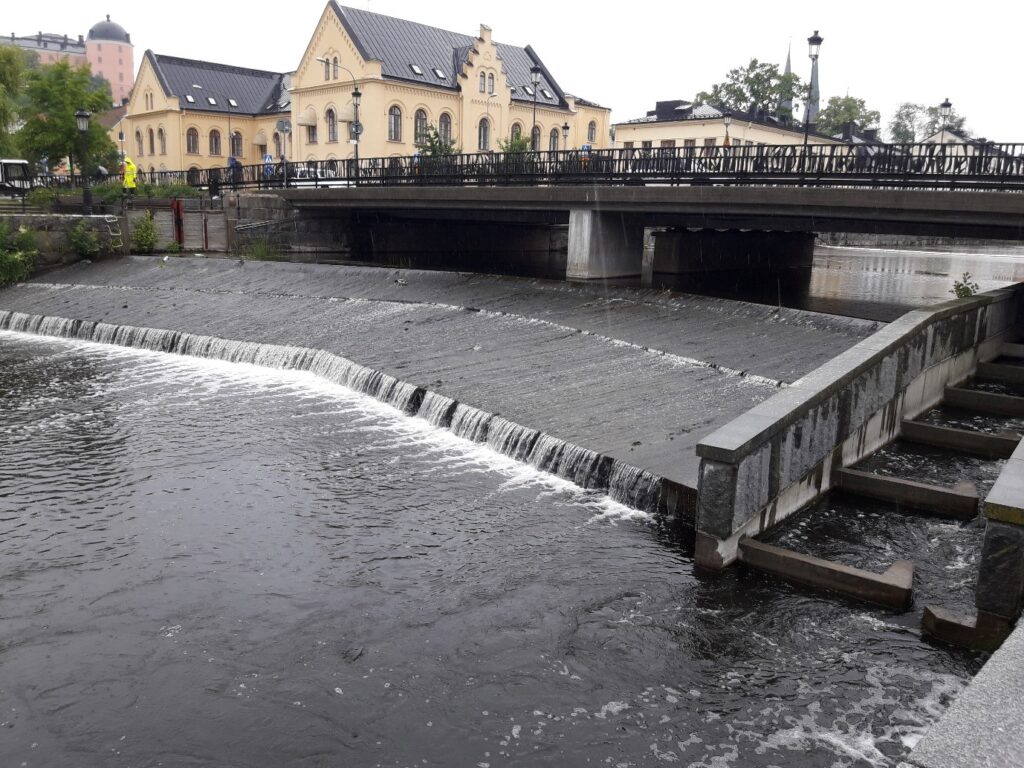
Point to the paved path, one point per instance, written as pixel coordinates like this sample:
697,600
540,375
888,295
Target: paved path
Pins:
636,375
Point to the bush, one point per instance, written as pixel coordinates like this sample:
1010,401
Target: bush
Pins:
964,287
144,236
260,249
18,253
43,197
83,240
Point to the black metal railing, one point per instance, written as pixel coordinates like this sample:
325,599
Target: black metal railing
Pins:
929,166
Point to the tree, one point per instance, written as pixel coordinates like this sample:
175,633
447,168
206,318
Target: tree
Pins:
845,109
53,94
433,144
12,74
915,122
753,87
517,143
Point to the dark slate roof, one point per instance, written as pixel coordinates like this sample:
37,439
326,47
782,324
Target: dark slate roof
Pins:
257,92
397,44
679,110
47,41
109,30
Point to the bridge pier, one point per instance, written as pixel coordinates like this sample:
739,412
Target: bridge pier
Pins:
603,245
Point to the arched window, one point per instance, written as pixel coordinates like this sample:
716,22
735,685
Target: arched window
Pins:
138,142
327,69
277,144
517,130
395,123
535,138
483,135
192,141
483,83
236,144
490,83
592,132
162,138
420,131
152,142
335,67
553,140
332,125
214,142
444,127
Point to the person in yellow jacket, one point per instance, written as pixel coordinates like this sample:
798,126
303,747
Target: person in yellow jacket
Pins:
129,176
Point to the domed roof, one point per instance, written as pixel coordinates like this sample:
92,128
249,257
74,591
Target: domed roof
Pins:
109,30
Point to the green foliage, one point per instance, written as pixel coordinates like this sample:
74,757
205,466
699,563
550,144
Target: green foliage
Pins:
44,197
145,236
18,252
754,86
964,287
54,92
12,75
916,122
172,247
520,143
260,249
83,240
433,144
845,109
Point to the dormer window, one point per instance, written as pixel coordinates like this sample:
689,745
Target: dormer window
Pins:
440,75
232,102
211,101
416,69
528,89
189,99
546,93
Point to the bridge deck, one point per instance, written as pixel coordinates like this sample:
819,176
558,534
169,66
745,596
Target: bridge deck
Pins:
523,355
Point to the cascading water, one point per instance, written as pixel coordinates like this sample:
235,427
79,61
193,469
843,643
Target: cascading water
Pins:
588,469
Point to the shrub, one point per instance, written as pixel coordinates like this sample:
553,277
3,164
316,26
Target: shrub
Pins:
964,287
43,197
144,236
260,249
17,254
83,240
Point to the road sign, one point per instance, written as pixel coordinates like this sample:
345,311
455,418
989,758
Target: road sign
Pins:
284,126
356,129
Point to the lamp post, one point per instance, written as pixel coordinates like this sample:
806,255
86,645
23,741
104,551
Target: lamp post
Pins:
945,110
355,128
565,135
535,81
82,121
227,103
813,48
727,121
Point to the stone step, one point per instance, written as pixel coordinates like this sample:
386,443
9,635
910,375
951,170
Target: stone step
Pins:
984,402
1012,350
1010,374
960,502
893,589
960,440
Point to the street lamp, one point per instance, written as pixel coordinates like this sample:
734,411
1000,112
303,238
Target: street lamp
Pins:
355,128
535,80
227,102
813,48
82,121
565,135
727,121
945,110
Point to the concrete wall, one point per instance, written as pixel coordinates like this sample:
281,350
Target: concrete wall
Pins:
780,455
52,235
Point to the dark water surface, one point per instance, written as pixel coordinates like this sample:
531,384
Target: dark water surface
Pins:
207,564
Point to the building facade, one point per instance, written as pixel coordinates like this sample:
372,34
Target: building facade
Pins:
682,123
107,50
411,77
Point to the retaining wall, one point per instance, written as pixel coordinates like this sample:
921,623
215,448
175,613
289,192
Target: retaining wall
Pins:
767,464
52,235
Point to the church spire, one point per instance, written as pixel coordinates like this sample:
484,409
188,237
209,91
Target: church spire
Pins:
785,105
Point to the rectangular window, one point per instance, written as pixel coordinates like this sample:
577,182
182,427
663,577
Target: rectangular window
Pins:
750,143
710,142
627,145
311,134
416,69
646,144
668,142
689,142
440,74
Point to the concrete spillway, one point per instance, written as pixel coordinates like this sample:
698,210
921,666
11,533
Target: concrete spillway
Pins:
603,388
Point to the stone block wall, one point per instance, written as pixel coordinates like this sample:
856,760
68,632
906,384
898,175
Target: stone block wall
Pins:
52,235
770,462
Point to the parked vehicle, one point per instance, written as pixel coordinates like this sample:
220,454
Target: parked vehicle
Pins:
15,177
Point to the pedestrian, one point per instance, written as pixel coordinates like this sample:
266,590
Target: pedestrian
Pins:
128,185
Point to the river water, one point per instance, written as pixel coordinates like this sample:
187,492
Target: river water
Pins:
212,564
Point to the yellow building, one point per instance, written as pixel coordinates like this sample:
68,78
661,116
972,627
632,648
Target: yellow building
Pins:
410,76
682,124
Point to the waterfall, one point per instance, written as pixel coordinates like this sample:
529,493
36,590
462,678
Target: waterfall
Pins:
634,487
471,423
624,483
437,410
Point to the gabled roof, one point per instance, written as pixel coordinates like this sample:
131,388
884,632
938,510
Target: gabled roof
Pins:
681,111
255,91
398,44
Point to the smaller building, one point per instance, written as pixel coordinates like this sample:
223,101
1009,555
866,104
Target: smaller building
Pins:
681,123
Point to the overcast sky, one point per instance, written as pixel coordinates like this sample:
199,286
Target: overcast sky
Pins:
642,52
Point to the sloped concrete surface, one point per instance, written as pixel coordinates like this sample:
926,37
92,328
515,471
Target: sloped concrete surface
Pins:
636,375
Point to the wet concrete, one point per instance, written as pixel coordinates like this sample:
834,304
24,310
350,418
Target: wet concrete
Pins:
636,375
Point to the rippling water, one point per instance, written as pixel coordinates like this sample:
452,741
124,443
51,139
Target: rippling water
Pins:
207,564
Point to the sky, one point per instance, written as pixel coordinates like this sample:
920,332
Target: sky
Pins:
628,59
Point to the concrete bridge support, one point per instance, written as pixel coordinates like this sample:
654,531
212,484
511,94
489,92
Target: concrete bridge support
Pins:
603,245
